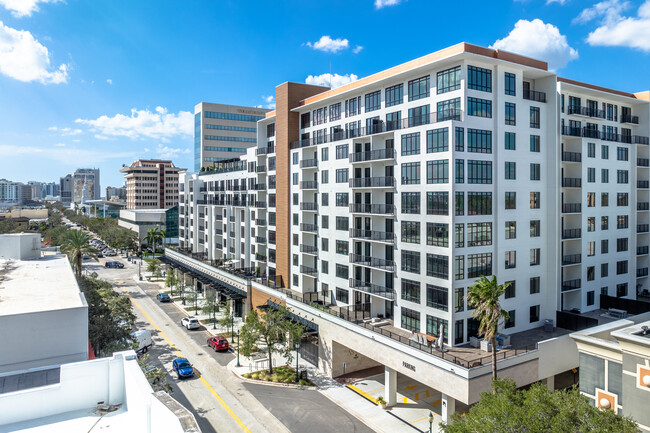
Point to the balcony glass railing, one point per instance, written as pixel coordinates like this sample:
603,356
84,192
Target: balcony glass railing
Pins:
572,207
571,233
571,284
373,235
533,95
571,182
571,259
571,156
308,206
373,262
377,209
373,182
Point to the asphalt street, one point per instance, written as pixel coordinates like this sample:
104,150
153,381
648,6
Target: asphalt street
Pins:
220,401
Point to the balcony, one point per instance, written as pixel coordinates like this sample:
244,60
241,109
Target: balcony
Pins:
586,111
643,162
372,262
260,204
373,182
260,257
308,249
308,184
260,239
571,259
642,251
309,163
571,234
643,205
260,169
372,155
309,206
571,157
374,209
607,136
571,284
572,132
259,187
373,289
641,272
312,272
218,231
533,95
218,217
630,119
260,222
264,150
642,228
313,228
642,184
571,182
571,207
231,234
373,235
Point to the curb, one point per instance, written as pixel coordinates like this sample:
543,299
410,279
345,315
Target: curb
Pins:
260,382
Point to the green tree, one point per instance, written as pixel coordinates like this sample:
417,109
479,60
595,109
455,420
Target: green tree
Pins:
75,245
484,295
209,306
154,267
152,236
171,280
273,328
157,377
536,410
227,320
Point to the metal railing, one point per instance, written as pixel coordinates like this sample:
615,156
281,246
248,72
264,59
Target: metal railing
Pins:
372,155
378,209
643,162
308,163
305,205
373,289
642,184
571,284
607,136
630,119
260,204
642,228
373,235
260,169
533,95
571,182
260,239
571,156
308,184
641,251
312,272
260,222
571,233
260,257
643,205
571,207
641,272
373,182
586,111
373,262
571,259
309,228
309,249
264,150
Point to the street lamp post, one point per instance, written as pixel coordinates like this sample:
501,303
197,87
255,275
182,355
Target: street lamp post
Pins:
297,347
214,310
232,328
238,365
430,421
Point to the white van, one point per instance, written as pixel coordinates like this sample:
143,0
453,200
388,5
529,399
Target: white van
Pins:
143,340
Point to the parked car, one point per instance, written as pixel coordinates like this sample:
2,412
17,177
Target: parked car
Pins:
86,257
111,264
190,322
143,339
100,255
218,343
164,297
183,368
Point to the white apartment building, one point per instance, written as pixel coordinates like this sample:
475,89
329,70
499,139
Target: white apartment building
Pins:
10,192
388,197
151,184
223,132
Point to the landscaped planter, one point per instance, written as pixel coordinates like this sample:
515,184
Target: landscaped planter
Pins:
283,374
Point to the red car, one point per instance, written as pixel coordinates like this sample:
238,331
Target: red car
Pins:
218,343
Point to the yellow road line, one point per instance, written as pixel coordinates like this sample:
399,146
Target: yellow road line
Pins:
418,420
363,393
436,403
203,381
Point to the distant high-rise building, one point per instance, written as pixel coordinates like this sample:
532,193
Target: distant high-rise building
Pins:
119,192
91,177
223,132
151,184
10,192
65,187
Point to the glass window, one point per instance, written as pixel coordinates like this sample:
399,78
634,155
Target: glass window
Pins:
419,88
510,143
459,203
534,256
437,234
479,107
341,175
437,171
479,234
479,265
534,285
534,313
419,116
437,203
534,117
535,228
410,320
459,236
510,170
479,141
460,139
604,175
459,299
534,200
437,297
435,325
511,290
604,151
342,247
341,151
437,266
511,200
373,101
448,110
510,322
394,95
460,171
411,290
448,80
479,203
438,140
511,114
511,229
335,111
479,79
410,202
342,199
535,171
411,173
534,143
411,261
591,150
411,144
342,271
510,84
342,223
479,172
411,232
342,295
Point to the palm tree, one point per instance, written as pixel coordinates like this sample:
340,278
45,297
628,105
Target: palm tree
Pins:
152,236
484,296
75,244
162,237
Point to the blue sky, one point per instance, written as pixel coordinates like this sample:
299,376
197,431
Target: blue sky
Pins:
99,83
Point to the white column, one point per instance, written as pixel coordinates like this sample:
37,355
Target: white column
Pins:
550,383
390,379
448,408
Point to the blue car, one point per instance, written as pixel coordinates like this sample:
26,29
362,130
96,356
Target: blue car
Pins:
163,297
183,368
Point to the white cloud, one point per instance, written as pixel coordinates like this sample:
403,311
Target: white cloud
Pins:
610,9
539,41
23,58
109,81
357,49
59,144
335,80
22,8
329,45
159,124
270,102
65,131
383,3
616,30
561,2
165,152
63,155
